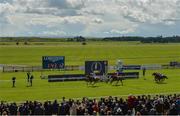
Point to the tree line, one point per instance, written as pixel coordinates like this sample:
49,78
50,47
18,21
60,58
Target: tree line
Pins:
158,39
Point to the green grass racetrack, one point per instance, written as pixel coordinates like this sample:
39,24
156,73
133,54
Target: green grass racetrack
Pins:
76,54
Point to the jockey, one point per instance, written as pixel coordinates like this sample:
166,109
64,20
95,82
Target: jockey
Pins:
118,73
94,75
160,74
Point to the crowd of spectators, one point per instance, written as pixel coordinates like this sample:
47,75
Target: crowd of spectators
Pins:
132,105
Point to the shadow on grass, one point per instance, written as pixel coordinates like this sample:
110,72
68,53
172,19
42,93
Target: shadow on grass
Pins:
117,85
92,86
161,82
28,86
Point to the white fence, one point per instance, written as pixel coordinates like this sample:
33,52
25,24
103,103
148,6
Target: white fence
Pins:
151,67
22,68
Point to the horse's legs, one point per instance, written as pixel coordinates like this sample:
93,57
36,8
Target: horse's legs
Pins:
93,82
117,82
121,82
87,82
107,80
111,81
162,79
156,79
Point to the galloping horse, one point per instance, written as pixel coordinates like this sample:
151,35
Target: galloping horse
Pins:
159,77
91,80
115,78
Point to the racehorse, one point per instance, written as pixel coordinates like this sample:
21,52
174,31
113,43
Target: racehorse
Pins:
115,78
91,80
159,77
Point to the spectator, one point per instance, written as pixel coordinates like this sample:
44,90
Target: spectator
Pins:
13,81
55,106
80,111
144,72
140,105
31,78
28,77
173,110
13,109
73,109
39,110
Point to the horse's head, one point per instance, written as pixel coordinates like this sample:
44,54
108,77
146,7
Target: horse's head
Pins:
165,77
154,73
109,76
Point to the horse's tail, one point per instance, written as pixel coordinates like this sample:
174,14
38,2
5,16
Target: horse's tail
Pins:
107,79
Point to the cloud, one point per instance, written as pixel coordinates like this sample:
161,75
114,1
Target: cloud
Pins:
53,7
87,17
97,20
53,33
67,4
115,31
6,8
150,11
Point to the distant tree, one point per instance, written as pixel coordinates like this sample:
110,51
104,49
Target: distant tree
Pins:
70,39
84,43
17,43
25,43
80,39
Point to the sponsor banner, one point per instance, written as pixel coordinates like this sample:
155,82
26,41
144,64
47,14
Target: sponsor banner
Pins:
131,67
73,77
53,62
67,77
98,67
174,63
